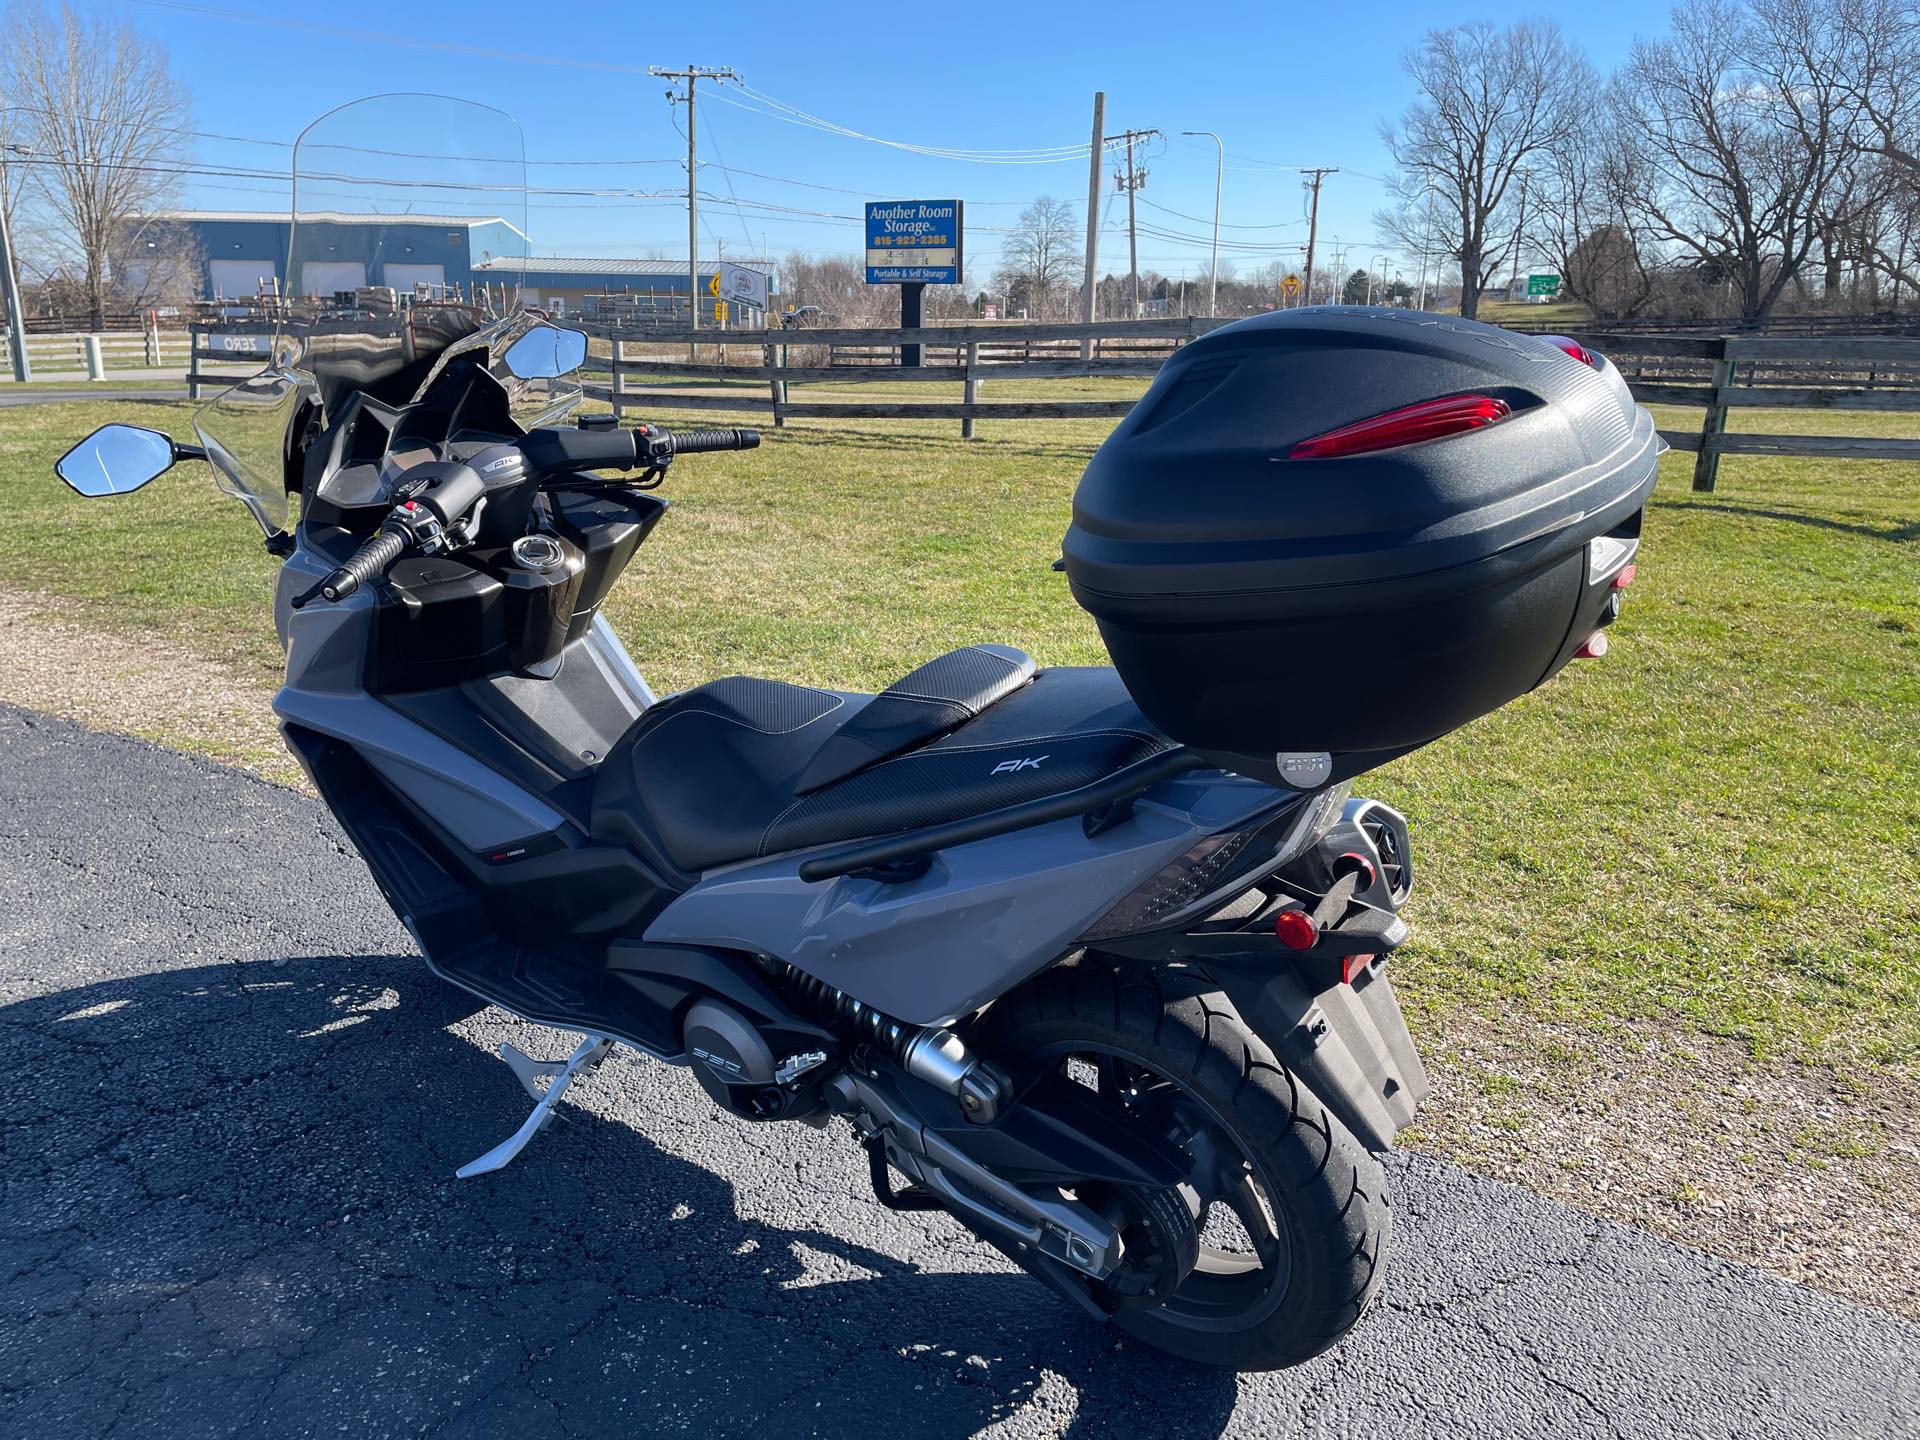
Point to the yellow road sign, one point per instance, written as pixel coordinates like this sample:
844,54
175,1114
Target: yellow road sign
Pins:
1291,284
720,310
713,285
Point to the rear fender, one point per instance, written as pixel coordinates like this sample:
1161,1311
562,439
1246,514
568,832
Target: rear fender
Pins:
1347,1043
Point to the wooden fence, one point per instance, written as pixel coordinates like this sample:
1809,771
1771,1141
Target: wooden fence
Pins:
91,355
1723,373
1716,374
968,355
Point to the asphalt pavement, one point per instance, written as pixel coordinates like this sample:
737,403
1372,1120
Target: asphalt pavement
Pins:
234,1100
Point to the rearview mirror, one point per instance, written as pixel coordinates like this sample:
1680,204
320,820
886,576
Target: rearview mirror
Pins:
546,353
116,459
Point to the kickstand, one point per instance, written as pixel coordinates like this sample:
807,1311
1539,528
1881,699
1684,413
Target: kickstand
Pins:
558,1074
911,1197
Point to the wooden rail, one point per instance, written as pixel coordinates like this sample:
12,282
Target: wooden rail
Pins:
970,356
1720,374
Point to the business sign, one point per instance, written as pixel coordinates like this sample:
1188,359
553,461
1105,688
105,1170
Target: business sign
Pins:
1543,282
741,284
913,242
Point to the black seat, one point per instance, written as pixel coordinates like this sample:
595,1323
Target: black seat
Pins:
729,771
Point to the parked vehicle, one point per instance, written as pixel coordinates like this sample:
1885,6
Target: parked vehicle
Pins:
805,317
1092,959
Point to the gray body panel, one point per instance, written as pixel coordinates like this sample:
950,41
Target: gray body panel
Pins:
324,691
983,918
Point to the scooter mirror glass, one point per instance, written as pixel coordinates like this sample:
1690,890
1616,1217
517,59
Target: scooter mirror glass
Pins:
115,459
546,353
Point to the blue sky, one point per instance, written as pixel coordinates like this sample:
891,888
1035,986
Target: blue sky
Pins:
1283,86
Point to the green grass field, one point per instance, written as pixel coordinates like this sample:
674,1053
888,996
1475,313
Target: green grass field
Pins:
1716,826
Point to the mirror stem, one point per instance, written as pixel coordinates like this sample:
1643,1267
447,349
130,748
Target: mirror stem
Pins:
187,452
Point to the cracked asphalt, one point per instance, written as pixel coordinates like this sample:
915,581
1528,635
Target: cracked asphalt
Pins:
234,1101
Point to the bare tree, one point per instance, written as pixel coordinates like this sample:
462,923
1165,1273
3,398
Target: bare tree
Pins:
105,121
1491,101
1880,70
1743,119
1582,217
1039,260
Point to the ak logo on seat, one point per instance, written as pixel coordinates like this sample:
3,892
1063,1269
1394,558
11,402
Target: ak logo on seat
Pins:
1009,767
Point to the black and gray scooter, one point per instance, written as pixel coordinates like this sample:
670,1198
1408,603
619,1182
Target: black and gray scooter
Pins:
1092,959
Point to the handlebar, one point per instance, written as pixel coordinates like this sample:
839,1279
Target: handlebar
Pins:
370,560
694,442
444,516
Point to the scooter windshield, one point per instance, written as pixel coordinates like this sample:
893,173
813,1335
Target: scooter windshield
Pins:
407,234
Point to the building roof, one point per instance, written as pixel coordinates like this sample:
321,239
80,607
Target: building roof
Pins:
566,265
333,216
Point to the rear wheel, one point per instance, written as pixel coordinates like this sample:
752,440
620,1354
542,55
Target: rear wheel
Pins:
1290,1210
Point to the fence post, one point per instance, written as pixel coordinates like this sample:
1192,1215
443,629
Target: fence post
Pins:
96,362
613,388
972,390
777,388
1706,464
196,337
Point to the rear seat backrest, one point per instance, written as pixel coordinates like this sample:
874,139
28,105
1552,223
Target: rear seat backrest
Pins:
917,708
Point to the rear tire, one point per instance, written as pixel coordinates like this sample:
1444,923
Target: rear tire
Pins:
1324,1191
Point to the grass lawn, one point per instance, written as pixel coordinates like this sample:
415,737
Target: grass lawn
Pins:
1714,828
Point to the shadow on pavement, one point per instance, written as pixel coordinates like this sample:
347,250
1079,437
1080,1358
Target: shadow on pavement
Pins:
229,1206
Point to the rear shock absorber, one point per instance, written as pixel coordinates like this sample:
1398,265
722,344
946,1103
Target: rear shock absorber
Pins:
935,1055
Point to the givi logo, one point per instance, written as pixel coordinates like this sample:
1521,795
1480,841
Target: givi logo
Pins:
1009,767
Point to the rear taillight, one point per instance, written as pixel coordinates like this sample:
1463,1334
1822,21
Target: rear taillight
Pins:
1409,425
1574,348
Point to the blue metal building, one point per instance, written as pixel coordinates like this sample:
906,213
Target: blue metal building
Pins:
245,254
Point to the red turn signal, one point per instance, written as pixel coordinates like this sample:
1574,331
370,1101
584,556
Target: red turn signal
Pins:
1296,929
1625,576
1595,647
1409,425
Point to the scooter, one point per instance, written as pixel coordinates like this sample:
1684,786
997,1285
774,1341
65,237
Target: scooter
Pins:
1114,1001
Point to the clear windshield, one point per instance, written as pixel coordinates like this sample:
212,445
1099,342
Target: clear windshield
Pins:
408,236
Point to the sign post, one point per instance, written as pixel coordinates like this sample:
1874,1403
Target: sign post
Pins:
913,244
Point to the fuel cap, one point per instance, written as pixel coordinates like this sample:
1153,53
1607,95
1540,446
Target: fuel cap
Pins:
538,552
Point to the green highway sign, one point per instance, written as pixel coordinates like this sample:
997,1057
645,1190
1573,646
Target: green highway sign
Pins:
1543,282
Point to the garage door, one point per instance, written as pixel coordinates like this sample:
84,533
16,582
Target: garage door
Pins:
323,277
404,277
240,279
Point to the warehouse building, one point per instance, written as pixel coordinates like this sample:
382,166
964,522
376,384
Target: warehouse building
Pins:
244,254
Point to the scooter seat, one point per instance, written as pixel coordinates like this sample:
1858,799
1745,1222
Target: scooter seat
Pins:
721,773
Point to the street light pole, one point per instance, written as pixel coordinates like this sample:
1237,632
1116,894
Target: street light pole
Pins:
1382,257
1213,267
10,289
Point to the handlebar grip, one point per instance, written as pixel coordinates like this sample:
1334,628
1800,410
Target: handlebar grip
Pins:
693,442
364,564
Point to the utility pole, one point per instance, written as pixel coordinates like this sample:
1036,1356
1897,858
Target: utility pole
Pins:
1219,175
1131,182
693,75
1519,234
1094,154
1319,173
10,289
